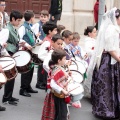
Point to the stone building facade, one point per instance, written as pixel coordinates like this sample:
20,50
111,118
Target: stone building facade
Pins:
78,14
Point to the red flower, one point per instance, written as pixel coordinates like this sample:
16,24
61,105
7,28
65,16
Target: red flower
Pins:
92,48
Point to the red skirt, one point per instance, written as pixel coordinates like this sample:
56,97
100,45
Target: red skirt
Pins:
49,108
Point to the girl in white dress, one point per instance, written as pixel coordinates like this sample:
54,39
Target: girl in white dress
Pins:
90,32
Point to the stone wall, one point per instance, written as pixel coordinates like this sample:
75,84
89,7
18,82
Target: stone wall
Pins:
78,14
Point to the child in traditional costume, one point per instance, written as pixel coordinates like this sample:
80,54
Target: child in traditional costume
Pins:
55,107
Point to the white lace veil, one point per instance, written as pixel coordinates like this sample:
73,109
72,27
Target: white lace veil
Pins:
108,18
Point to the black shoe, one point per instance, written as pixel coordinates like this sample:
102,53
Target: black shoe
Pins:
10,102
14,99
32,91
24,93
40,87
2,108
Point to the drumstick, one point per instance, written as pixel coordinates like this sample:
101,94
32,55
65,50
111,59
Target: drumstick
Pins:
16,56
36,45
7,65
73,55
73,89
5,60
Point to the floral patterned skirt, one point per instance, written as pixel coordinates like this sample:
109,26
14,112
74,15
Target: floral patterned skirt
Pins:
105,89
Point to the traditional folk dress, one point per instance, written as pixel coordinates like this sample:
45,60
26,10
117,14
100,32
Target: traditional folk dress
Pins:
75,51
55,107
106,80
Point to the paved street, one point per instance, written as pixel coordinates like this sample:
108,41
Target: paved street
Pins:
31,108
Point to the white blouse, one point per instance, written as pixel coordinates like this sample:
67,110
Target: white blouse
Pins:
46,61
42,54
55,87
89,45
112,40
4,35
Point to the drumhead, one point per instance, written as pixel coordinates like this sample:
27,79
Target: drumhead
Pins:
82,61
75,88
3,79
7,62
35,49
73,65
22,58
77,76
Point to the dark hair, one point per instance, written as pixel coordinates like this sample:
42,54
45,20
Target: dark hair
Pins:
89,29
2,1
66,33
60,28
56,55
49,26
56,37
16,15
28,15
76,35
44,12
117,13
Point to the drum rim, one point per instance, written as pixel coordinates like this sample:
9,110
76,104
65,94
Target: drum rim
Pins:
75,63
10,57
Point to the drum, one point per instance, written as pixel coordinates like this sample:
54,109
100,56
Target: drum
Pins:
3,79
9,67
82,65
35,51
73,65
82,61
36,48
23,61
77,76
76,91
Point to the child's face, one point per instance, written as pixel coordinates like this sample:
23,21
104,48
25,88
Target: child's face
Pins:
93,33
32,19
44,18
62,62
52,33
2,6
75,42
68,40
58,44
16,22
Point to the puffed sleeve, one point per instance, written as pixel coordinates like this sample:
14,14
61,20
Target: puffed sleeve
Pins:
111,39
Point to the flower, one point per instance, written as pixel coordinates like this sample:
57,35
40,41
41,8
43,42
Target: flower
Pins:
92,48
